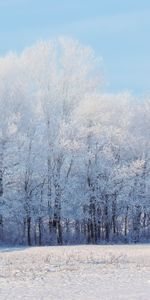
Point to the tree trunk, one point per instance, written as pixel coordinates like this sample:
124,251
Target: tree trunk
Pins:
40,231
29,231
126,223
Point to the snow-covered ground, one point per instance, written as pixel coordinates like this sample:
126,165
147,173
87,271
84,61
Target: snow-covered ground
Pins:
75,272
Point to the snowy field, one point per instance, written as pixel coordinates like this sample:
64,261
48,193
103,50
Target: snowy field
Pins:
75,272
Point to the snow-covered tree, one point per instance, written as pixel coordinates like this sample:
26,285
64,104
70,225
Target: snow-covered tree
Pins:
74,162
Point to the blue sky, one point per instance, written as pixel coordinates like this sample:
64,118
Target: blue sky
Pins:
118,30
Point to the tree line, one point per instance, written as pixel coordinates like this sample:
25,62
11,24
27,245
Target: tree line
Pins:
74,160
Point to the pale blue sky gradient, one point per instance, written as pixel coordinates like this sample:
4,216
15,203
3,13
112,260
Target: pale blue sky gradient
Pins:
118,30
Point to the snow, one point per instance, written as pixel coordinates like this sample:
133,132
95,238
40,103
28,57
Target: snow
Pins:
75,272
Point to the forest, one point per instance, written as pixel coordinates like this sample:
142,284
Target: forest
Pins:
74,160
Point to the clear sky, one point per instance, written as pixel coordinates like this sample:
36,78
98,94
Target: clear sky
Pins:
118,30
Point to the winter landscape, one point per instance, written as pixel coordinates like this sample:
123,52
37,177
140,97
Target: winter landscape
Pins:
74,151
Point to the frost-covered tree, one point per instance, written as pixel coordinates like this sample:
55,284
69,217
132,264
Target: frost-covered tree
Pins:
74,162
